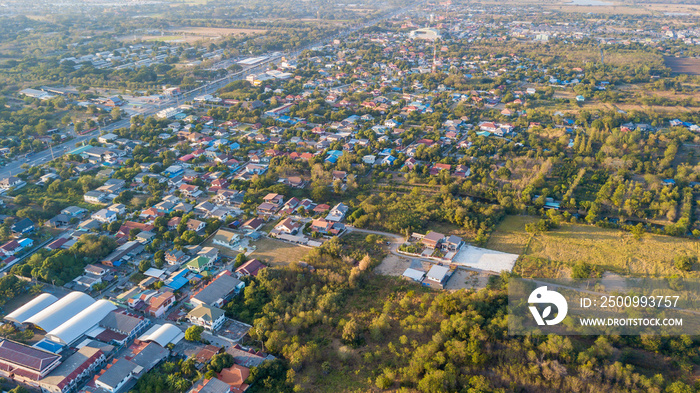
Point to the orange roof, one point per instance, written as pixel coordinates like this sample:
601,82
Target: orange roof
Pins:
157,301
235,376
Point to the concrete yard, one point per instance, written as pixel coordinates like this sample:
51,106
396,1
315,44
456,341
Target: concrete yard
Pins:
484,259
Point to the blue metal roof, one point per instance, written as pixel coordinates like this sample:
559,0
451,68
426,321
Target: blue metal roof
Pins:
177,283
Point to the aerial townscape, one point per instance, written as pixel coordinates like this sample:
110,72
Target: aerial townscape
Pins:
216,196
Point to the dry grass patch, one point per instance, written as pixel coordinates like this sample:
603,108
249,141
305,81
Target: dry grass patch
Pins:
278,253
613,250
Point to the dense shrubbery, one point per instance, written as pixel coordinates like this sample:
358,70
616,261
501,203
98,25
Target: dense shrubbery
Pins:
65,265
341,321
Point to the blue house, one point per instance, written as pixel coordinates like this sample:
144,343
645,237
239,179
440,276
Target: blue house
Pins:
388,160
173,171
26,242
177,280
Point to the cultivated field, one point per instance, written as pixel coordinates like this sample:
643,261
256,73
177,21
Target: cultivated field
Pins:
612,250
683,65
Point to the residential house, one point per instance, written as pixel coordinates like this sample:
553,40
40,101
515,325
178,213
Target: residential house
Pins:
212,385
462,171
158,305
117,208
116,375
95,197
235,377
288,226
218,291
229,198
23,226
104,216
338,213
195,225
11,248
295,182
249,268
433,239
226,238
452,243
210,252
11,183
275,199
438,167
190,190
74,211
58,220
176,257
322,226
340,175
210,318
268,208
253,224
199,264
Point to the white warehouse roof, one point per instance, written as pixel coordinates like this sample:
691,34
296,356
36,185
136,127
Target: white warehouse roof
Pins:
85,320
30,309
163,334
57,313
414,274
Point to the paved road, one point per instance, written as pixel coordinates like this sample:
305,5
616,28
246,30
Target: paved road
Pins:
44,156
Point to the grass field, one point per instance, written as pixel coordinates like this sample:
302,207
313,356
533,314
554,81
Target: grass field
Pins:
193,34
278,253
553,252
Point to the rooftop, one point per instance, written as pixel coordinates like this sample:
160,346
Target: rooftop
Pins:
26,356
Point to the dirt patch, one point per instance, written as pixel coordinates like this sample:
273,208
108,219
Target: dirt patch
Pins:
393,265
683,65
467,279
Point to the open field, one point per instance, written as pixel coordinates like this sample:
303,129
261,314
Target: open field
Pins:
621,8
683,65
192,34
566,6
610,249
278,253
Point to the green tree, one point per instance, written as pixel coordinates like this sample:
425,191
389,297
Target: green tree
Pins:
194,333
684,262
240,259
351,332
144,265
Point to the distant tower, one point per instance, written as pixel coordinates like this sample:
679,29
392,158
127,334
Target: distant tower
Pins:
432,18
602,59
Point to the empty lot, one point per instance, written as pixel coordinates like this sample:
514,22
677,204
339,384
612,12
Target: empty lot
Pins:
278,253
683,65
